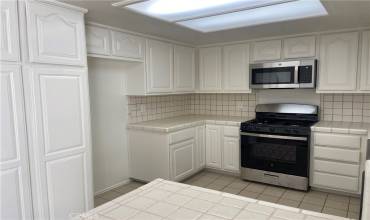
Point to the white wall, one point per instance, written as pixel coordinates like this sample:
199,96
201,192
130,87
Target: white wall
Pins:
109,120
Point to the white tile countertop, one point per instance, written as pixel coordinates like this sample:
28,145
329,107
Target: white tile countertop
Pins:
366,196
162,199
185,121
342,127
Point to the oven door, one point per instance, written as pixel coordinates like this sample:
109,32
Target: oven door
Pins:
275,153
274,77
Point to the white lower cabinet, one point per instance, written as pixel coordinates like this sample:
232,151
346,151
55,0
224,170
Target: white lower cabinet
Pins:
213,146
182,159
337,161
222,147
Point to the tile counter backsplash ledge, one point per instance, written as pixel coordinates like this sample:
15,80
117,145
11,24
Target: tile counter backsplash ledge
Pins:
342,127
185,121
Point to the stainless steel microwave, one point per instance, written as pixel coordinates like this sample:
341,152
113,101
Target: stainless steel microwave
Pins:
289,74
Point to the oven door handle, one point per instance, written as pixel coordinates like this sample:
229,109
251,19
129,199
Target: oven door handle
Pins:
274,136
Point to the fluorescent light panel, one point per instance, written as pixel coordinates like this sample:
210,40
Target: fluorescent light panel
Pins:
269,14
215,15
178,10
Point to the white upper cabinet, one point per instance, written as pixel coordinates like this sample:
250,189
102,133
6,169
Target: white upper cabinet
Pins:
365,62
338,62
159,67
9,31
55,34
184,68
267,50
126,45
15,198
299,47
98,40
236,68
210,72
60,147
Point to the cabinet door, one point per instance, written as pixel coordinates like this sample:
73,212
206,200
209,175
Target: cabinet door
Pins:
231,158
201,147
213,146
126,45
184,68
57,104
365,62
300,47
98,40
236,67
182,159
267,50
159,66
56,35
14,171
9,31
338,62
210,69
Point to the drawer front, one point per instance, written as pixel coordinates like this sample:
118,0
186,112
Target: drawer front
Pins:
337,154
182,135
336,181
338,140
231,131
337,168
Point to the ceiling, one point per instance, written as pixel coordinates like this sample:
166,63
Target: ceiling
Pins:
342,14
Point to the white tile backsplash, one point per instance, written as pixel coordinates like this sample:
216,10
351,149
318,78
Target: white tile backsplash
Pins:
333,107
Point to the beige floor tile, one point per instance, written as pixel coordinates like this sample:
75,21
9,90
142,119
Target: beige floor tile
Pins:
289,202
110,195
338,198
336,205
238,184
127,188
268,198
99,201
210,175
336,212
354,207
249,194
355,201
215,186
293,195
231,190
311,207
314,200
255,187
224,180
353,215
273,191
316,194
201,182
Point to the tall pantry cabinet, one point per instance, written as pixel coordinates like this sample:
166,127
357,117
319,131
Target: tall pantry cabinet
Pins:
45,120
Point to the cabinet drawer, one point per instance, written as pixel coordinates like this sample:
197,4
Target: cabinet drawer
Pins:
336,154
337,140
337,168
231,131
182,135
335,181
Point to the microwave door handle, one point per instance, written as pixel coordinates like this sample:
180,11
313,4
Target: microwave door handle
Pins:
296,69
274,136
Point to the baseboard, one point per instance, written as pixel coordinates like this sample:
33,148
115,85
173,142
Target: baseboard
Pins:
112,187
210,169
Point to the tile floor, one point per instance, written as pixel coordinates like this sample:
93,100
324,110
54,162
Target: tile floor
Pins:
344,206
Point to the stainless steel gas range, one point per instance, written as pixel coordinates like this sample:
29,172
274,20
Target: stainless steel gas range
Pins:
275,147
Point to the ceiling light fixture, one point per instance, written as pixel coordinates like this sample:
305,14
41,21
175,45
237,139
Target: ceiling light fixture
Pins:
215,15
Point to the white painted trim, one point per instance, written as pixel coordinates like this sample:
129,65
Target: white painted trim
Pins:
64,5
112,187
139,34
281,37
115,58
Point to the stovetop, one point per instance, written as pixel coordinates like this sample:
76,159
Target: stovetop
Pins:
276,126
